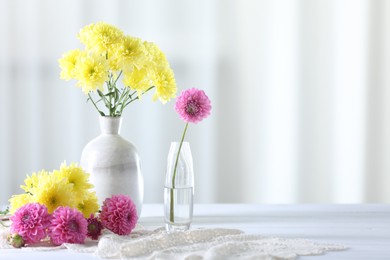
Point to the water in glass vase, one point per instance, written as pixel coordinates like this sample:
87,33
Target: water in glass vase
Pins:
178,208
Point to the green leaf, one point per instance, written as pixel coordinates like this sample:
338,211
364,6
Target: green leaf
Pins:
116,95
100,93
110,93
4,212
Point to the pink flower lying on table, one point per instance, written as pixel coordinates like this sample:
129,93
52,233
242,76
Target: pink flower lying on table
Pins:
94,227
30,222
68,226
119,214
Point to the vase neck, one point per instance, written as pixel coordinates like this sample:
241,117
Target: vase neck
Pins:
110,125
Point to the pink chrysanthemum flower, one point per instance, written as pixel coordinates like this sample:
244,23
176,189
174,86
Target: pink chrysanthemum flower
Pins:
193,105
94,227
31,222
119,214
68,226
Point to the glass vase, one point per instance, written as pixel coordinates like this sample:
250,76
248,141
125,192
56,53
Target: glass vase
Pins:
179,188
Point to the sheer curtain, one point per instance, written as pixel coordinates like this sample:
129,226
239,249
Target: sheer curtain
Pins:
299,89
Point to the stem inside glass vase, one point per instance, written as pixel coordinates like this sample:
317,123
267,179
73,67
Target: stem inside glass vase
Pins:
172,211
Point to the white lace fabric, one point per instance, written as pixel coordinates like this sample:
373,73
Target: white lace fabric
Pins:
214,243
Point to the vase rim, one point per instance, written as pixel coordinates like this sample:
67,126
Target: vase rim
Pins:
177,144
110,117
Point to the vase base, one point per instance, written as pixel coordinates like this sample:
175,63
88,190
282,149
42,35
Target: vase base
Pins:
177,227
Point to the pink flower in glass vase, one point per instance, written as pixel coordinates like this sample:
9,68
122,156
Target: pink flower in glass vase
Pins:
30,222
68,226
119,214
193,105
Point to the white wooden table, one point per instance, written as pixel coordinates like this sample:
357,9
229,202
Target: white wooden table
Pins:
365,229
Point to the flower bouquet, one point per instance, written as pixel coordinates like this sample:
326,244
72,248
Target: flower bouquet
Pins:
109,55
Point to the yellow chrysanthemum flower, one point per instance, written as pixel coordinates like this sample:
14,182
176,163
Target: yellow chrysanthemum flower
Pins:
114,64
156,56
55,192
68,63
89,205
91,73
165,83
17,201
101,38
76,176
139,80
130,54
31,182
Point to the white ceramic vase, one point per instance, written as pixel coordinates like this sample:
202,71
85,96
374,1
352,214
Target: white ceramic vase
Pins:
113,164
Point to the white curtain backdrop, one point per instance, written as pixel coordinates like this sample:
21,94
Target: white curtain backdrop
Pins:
300,94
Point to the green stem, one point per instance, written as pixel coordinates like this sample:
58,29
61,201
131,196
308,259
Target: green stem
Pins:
123,95
94,104
178,154
132,94
136,98
123,99
120,73
110,89
172,211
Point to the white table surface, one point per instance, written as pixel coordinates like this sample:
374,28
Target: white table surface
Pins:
365,229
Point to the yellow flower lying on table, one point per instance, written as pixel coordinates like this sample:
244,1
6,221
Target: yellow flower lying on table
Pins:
68,186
